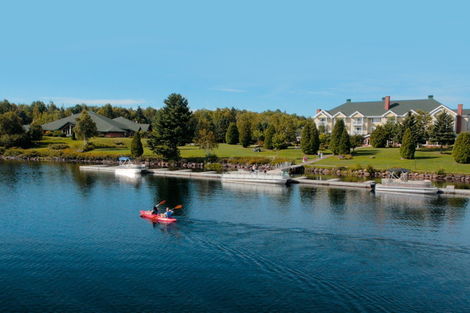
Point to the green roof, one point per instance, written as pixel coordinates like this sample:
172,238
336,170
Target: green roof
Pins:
376,108
131,125
103,124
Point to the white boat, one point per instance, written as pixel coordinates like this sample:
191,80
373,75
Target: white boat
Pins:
256,177
128,168
401,184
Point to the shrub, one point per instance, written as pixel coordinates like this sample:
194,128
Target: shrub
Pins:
370,169
57,133
31,154
461,151
88,147
2,150
211,157
13,152
16,140
214,167
58,146
441,171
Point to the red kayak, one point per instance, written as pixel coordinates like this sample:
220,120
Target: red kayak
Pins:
156,218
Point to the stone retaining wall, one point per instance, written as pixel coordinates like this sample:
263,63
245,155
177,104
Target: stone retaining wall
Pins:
383,174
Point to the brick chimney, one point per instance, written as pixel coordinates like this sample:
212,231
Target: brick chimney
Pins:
387,103
318,111
458,125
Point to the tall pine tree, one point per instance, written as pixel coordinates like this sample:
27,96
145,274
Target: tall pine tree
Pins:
171,128
231,137
344,144
136,146
408,146
442,132
310,141
336,134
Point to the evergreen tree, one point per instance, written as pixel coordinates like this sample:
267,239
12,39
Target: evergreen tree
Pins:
306,138
336,134
136,146
461,151
171,127
244,130
379,137
408,123
85,127
139,116
408,146
310,141
442,132
231,137
268,137
344,144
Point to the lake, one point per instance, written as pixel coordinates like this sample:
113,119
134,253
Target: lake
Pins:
73,241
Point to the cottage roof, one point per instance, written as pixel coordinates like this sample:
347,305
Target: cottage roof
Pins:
103,124
128,124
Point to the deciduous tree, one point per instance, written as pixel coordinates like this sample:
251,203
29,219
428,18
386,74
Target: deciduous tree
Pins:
85,127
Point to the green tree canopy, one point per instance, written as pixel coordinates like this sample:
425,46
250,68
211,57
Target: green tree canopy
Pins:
231,136
461,151
442,132
336,134
344,144
244,130
408,146
85,127
136,146
379,137
310,141
356,141
10,124
171,127
206,140
268,137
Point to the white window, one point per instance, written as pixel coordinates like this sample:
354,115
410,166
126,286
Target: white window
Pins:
376,120
322,120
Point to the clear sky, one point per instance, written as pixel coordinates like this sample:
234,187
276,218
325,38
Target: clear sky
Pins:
296,56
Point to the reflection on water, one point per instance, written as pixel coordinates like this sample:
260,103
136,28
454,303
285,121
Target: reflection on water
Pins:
74,241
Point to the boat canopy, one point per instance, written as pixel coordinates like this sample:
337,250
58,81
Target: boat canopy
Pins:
124,159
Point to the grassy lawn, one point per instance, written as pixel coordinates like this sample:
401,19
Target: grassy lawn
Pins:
390,157
121,146
227,151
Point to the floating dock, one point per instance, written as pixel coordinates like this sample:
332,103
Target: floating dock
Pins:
334,182
184,173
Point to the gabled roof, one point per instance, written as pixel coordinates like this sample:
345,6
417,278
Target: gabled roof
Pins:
128,124
103,124
376,108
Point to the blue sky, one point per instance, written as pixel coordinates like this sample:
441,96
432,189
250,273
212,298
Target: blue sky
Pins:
296,56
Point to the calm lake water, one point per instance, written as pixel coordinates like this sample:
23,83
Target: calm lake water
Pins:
74,242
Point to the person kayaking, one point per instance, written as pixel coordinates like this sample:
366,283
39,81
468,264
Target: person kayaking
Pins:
168,213
155,209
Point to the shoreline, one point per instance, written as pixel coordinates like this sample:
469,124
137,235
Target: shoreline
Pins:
225,166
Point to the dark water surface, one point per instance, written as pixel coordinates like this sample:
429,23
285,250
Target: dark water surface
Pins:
73,242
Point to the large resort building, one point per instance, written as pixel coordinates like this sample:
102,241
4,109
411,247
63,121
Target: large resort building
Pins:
361,118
